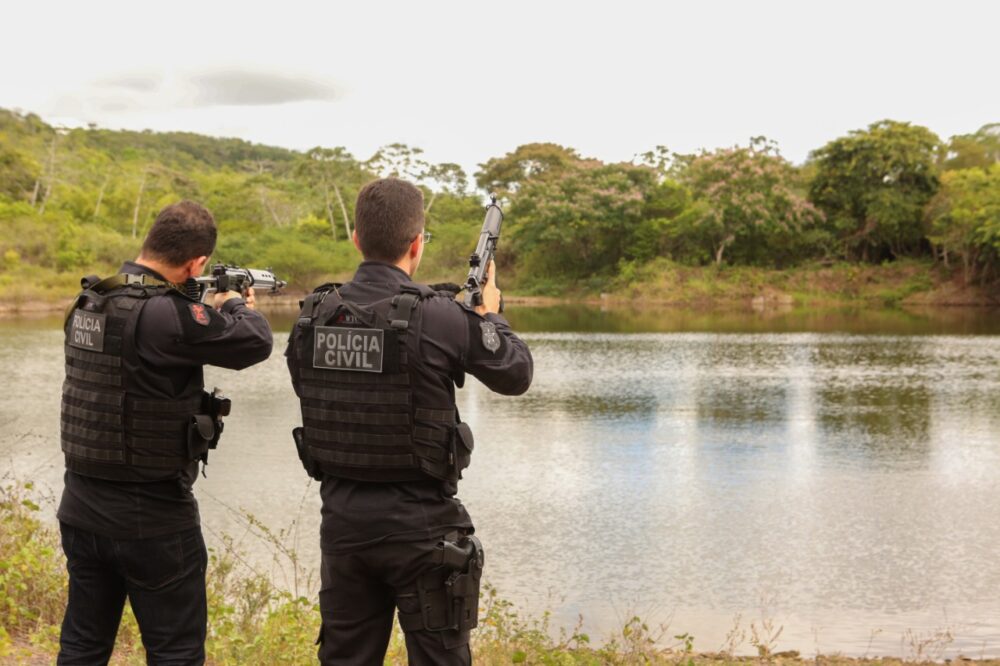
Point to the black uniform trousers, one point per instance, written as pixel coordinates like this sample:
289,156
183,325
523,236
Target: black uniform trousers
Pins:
360,592
164,580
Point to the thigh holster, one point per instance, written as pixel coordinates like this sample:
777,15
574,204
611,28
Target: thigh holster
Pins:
451,603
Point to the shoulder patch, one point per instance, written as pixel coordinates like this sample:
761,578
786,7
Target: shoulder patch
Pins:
491,339
198,320
199,313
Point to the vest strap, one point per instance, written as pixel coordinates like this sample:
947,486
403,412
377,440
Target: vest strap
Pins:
91,416
347,377
309,305
402,309
353,459
89,435
93,357
432,453
361,397
91,453
435,415
93,377
160,425
360,418
428,434
94,397
365,439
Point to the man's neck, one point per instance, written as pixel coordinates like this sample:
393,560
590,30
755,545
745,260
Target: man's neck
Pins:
169,273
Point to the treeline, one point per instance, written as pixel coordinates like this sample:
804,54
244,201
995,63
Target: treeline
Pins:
75,200
890,191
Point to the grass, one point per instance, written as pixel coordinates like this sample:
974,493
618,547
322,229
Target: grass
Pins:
815,284
254,621
25,287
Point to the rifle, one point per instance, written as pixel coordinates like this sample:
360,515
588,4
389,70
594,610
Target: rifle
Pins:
479,261
233,278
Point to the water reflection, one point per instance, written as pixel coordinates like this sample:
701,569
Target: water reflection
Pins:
851,479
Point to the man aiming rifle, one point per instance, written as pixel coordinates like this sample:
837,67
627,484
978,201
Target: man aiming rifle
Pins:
375,363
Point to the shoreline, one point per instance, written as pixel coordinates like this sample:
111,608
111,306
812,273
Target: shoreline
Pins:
665,284
767,302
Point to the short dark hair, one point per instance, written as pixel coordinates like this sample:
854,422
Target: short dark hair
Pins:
389,214
182,231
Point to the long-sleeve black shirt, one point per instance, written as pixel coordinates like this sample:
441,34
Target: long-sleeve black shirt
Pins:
235,337
357,514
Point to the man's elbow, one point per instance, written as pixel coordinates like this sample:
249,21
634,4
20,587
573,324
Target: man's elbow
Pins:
257,352
519,380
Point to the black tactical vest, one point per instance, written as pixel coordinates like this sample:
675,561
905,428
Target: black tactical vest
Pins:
371,411
113,426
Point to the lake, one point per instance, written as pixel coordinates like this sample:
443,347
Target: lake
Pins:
833,474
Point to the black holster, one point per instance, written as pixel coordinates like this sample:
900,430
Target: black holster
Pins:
206,428
455,606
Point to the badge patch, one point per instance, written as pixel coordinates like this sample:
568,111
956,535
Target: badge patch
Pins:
199,314
87,330
491,339
357,349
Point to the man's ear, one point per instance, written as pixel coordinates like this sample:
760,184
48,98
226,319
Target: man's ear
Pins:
196,266
414,250
354,237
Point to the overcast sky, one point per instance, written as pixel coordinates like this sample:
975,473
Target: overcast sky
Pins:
466,81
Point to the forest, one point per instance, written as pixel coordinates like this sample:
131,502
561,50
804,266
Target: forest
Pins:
79,200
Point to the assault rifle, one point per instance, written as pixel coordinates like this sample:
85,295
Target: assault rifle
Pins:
233,278
479,262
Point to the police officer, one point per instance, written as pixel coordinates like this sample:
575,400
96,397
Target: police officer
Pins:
135,424
375,363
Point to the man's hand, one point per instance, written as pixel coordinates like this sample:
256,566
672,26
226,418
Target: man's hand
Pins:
491,295
223,296
251,299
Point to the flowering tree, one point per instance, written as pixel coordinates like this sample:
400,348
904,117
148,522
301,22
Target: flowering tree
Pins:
744,195
582,220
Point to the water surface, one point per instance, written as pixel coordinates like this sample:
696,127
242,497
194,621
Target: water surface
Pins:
834,472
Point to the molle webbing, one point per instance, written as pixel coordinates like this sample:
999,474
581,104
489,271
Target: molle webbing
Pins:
108,426
364,425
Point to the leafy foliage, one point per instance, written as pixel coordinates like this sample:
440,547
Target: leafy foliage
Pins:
873,185
965,219
80,200
748,205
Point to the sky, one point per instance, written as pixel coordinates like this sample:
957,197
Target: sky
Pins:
466,81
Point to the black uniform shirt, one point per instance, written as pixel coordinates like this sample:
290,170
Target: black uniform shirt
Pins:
235,338
356,513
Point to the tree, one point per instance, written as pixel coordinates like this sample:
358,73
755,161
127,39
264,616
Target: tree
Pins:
873,186
398,160
533,161
17,174
331,169
964,218
746,199
581,220
448,178
966,151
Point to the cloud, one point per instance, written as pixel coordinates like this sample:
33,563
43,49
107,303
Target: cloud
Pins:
137,82
138,92
254,88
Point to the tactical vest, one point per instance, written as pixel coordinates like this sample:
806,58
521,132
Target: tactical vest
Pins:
371,411
113,427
